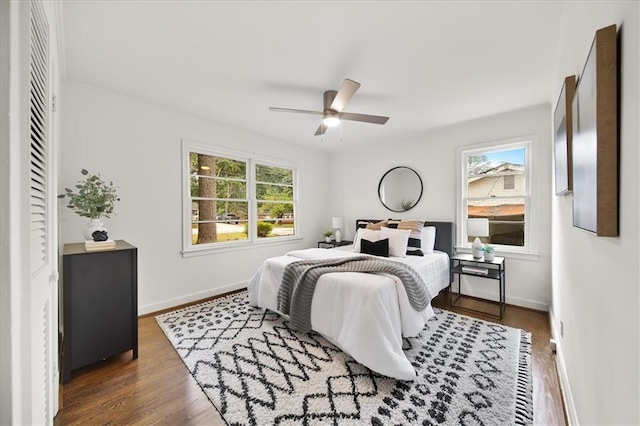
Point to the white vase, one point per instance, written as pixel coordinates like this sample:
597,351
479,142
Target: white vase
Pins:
92,226
488,257
338,236
327,239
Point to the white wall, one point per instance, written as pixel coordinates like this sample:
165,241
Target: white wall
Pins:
355,174
137,145
595,279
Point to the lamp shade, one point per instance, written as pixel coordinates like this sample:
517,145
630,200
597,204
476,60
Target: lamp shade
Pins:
337,222
478,227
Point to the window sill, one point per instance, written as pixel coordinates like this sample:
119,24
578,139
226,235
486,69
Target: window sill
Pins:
203,251
505,253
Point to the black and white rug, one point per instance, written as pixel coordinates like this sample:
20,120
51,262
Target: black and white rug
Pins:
257,371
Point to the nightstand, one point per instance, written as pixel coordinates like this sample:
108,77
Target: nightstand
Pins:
333,243
466,264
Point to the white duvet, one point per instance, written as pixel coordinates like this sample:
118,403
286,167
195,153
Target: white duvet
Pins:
366,315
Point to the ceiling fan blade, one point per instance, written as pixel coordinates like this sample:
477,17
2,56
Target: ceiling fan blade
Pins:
346,91
301,111
321,130
375,119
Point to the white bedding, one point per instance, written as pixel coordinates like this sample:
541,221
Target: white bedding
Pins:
366,315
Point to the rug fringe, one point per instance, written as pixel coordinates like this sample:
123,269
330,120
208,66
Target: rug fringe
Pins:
524,385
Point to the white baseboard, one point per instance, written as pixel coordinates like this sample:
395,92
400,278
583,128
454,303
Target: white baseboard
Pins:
193,297
526,303
565,387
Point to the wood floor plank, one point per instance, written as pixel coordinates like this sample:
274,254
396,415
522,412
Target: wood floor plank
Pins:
158,389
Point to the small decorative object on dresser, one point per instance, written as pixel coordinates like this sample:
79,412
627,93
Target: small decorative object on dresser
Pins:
489,252
327,235
94,199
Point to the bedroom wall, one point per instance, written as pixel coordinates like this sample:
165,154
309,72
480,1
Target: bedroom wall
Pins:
595,279
433,156
137,145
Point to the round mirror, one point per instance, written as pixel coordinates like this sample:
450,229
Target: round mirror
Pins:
400,189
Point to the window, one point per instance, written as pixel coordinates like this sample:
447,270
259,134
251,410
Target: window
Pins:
495,183
508,182
274,195
233,199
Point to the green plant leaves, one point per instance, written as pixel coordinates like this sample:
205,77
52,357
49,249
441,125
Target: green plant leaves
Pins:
94,199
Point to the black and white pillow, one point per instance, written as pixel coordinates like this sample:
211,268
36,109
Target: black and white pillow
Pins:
414,246
364,233
376,248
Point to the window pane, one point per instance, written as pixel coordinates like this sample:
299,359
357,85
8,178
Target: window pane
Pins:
506,219
218,221
217,177
275,220
492,173
206,233
271,174
211,187
208,165
265,191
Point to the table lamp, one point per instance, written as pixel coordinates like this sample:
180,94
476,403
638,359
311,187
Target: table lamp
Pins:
337,223
477,228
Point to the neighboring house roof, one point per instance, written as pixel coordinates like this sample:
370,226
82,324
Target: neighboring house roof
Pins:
500,170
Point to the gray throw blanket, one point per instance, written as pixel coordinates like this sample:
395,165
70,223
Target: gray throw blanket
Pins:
299,283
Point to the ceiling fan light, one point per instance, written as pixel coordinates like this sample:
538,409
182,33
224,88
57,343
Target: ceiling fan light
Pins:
331,119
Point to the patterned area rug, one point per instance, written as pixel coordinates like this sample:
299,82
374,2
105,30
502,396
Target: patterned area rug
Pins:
257,371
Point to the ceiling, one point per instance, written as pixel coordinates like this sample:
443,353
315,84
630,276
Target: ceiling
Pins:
423,64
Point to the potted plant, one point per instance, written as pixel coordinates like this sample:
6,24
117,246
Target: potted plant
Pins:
489,252
92,198
327,235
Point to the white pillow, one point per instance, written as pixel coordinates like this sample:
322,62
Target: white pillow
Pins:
367,234
398,240
428,239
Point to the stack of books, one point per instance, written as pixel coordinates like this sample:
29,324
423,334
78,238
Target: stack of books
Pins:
475,270
99,245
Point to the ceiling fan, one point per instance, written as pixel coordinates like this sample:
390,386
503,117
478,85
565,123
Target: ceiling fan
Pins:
333,103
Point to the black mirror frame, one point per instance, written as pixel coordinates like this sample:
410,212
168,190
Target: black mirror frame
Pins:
380,186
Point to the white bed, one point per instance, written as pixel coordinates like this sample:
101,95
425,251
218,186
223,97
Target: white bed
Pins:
364,314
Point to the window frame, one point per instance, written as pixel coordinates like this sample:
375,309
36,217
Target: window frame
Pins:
188,248
530,248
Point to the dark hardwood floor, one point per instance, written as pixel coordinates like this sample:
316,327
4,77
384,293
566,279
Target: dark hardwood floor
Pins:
157,388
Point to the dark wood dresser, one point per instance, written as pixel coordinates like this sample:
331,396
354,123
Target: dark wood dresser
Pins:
100,305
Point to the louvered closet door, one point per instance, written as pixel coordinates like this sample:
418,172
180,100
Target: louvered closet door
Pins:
43,286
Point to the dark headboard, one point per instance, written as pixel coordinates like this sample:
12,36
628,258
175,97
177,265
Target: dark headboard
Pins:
444,234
